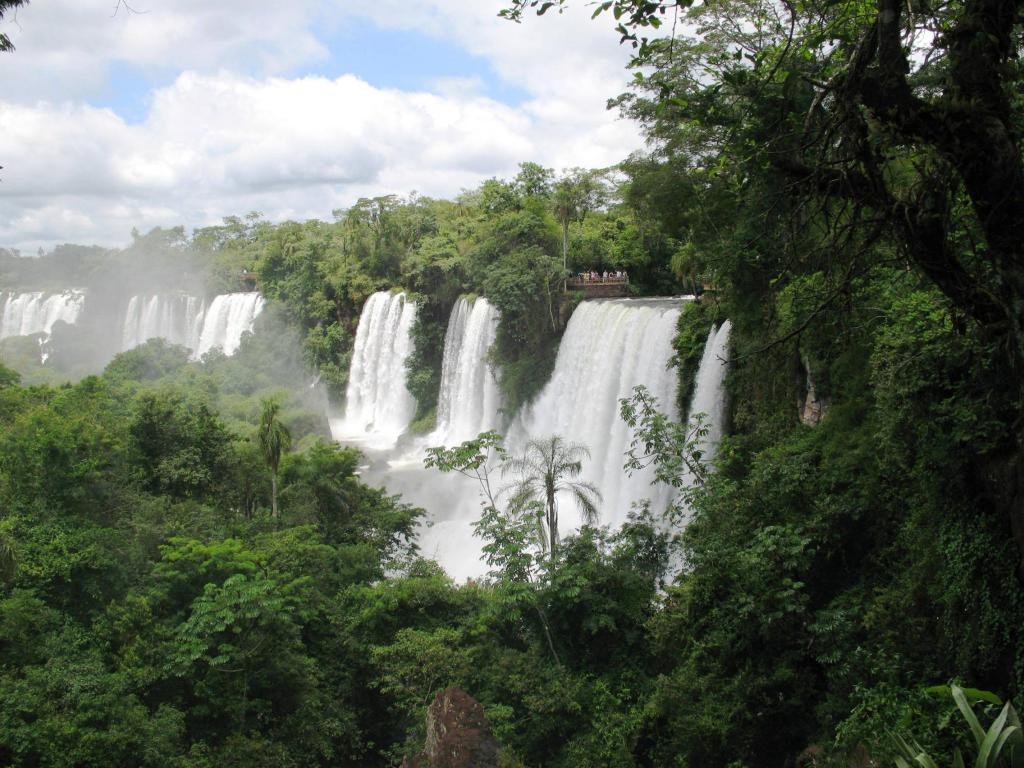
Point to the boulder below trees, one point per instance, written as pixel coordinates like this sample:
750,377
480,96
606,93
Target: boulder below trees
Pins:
458,735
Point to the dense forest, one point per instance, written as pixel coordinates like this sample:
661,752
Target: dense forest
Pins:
193,574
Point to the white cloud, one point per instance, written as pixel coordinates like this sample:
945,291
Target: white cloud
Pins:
237,130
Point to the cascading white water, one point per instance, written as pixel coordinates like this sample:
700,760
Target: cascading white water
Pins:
227,318
378,406
709,390
186,320
25,314
609,348
178,318
469,399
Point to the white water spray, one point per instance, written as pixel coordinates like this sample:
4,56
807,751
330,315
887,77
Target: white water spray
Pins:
178,318
378,406
227,318
709,390
185,320
609,348
469,399
25,314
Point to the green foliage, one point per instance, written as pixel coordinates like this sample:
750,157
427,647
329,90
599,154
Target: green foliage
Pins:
8,378
1001,744
275,441
178,446
153,613
695,323
544,470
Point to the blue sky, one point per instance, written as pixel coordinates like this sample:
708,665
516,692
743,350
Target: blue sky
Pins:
386,58
193,110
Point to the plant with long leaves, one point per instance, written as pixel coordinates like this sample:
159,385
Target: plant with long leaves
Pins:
547,468
1001,745
275,440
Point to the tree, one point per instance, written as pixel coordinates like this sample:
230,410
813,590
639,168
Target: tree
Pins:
675,450
534,180
507,534
5,6
578,192
275,440
906,124
545,469
8,378
847,137
179,446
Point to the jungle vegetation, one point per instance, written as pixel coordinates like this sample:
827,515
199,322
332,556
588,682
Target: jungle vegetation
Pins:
846,181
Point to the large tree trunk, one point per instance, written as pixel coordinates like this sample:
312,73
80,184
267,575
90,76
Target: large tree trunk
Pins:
273,495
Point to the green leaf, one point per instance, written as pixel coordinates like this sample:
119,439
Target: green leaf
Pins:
975,694
986,754
968,713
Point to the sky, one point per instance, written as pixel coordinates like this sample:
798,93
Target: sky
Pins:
182,112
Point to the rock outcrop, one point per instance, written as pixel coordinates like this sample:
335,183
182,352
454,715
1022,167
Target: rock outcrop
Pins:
811,407
458,735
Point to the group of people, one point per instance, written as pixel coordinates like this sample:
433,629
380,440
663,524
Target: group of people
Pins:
603,277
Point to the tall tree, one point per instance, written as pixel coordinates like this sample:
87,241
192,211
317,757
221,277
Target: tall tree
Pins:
575,194
546,468
275,440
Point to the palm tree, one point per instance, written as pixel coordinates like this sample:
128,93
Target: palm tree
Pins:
545,469
275,440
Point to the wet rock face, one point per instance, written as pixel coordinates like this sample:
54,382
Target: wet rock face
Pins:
811,407
458,735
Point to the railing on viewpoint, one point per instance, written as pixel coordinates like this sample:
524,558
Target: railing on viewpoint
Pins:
583,282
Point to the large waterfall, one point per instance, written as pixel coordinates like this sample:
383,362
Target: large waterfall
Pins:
25,314
186,320
609,348
469,398
378,406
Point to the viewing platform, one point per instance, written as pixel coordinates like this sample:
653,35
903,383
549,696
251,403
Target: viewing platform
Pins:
600,287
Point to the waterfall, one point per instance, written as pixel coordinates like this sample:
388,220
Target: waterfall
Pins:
609,347
228,317
177,318
25,314
709,390
186,320
468,401
378,407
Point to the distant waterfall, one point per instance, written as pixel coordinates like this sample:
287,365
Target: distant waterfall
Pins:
186,320
378,405
178,318
228,317
469,398
25,314
609,348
